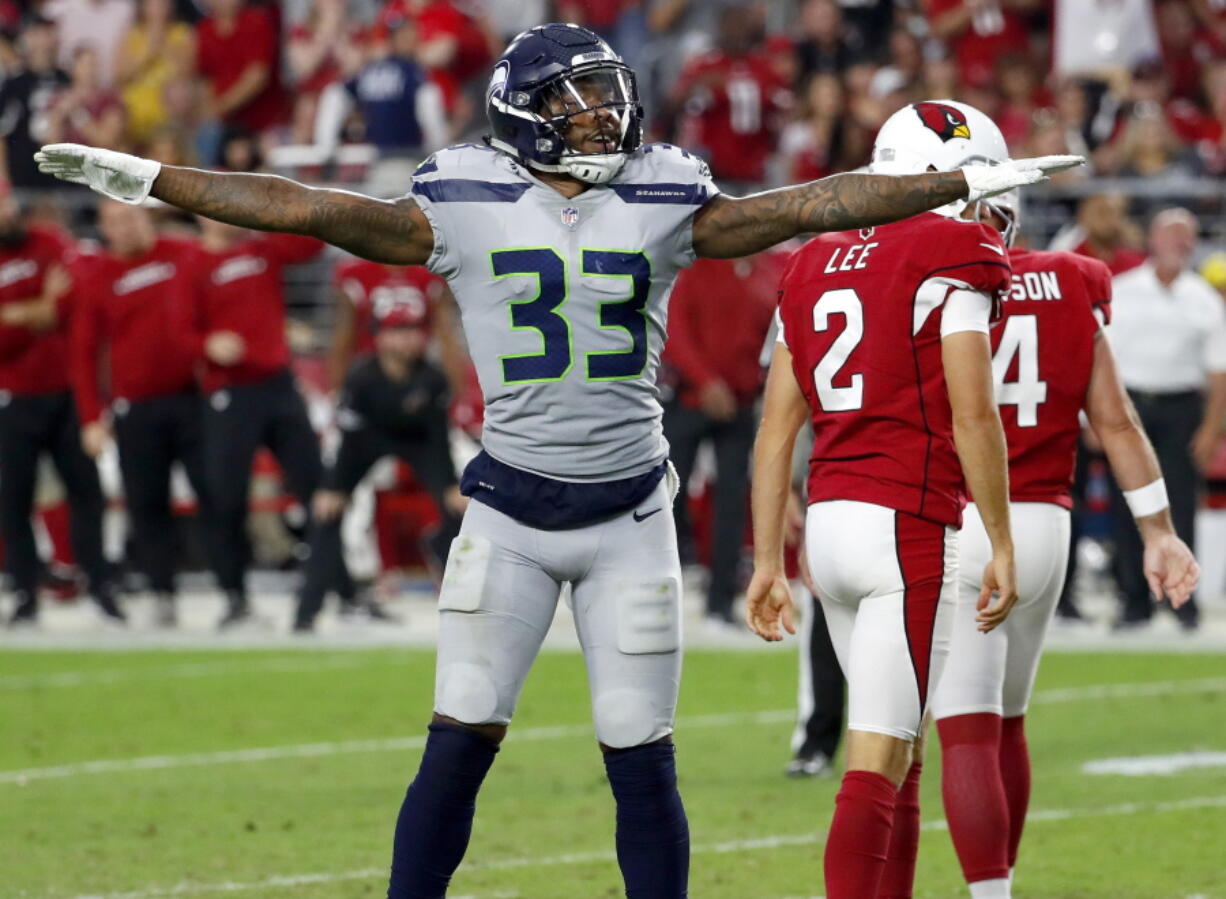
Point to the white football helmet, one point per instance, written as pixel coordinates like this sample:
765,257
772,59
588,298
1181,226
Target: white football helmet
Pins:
940,135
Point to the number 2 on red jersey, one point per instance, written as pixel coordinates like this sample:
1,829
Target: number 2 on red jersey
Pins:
846,302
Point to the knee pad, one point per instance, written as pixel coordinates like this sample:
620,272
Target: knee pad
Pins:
467,693
626,718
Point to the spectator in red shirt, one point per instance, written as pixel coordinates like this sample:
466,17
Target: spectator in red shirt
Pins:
135,296
716,362
980,31
36,411
250,397
1109,236
732,102
238,55
86,112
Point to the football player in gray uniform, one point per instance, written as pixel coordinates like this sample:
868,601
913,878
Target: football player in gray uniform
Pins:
560,237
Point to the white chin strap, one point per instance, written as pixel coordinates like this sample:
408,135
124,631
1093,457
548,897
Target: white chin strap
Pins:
599,169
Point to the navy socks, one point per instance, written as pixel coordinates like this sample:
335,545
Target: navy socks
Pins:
653,835
436,818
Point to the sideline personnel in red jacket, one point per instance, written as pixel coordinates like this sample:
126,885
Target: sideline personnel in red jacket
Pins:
130,344
716,358
36,414
250,397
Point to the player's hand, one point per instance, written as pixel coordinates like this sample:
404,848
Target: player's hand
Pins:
328,505
225,348
455,501
718,401
768,603
94,438
998,594
116,175
990,180
1170,569
1204,445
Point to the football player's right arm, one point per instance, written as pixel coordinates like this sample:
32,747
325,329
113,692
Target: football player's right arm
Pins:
980,441
769,599
395,232
1170,567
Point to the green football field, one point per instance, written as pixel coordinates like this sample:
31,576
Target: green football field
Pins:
270,774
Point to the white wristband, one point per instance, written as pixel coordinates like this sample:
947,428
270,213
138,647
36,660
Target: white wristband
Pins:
1147,500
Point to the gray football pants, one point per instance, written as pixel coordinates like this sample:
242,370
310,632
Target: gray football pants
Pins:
500,591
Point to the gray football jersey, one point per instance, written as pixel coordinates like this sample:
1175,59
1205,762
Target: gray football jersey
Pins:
565,301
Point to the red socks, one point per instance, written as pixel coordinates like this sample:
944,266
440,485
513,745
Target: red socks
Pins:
1015,771
899,878
859,835
975,800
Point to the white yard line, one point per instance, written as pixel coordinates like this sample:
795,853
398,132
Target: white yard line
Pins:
153,673
1149,765
21,777
580,858
533,734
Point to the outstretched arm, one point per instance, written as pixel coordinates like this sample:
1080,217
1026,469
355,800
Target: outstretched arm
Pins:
727,227
395,232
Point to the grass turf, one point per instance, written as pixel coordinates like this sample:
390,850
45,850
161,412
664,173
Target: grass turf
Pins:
318,823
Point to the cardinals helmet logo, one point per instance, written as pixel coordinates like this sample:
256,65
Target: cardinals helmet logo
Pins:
945,121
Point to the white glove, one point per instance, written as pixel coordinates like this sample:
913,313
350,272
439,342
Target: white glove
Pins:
990,180
116,175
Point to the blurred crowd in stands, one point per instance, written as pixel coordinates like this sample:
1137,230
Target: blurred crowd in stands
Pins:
360,91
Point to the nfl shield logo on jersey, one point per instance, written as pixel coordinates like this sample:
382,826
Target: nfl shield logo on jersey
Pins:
570,217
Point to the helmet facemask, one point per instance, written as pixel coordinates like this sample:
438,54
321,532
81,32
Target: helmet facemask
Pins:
592,150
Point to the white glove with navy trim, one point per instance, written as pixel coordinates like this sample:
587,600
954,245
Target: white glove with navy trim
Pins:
116,175
990,180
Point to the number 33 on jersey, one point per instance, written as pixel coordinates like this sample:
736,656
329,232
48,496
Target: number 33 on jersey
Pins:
564,300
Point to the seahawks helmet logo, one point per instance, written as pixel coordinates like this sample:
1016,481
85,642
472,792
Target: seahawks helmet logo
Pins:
945,121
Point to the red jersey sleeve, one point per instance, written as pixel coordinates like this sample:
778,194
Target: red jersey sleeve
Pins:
975,255
1098,287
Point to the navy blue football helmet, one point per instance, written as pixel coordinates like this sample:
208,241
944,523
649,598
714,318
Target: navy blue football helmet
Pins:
549,75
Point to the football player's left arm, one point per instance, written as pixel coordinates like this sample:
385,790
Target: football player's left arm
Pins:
728,227
966,357
1170,567
768,601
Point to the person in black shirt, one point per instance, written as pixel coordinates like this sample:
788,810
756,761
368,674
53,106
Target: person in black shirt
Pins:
393,403
24,99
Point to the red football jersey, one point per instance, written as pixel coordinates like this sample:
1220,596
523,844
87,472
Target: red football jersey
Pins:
862,315
368,284
732,106
134,313
32,362
1042,354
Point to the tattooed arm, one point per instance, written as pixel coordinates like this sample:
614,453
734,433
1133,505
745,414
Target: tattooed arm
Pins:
727,227
395,232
